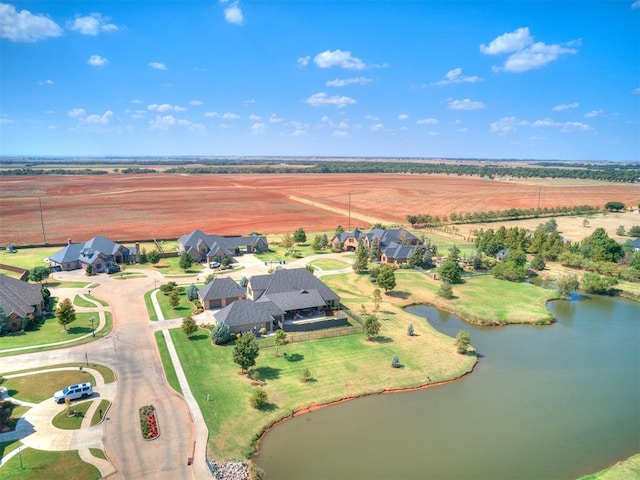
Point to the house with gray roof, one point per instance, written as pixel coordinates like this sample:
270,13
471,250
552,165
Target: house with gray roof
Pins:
209,248
636,244
99,252
220,292
246,316
348,241
18,300
396,245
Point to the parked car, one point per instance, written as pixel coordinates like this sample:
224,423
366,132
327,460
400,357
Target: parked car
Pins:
73,392
214,265
113,269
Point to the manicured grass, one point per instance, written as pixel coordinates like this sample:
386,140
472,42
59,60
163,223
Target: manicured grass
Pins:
7,447
171,266
41,386
51,332
184,308
28,258
167,364
149,304
39,464
65,422
78,301
101,302
625,470
98,453
329,264
104,406
341,367
107,374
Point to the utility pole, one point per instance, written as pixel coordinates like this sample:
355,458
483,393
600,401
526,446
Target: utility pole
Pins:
44,238
349,224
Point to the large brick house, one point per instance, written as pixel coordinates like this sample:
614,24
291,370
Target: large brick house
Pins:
99,252
208,248
18,300
396,244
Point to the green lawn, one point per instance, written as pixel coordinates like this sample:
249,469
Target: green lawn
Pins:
184,308
7,447
340,367
78,301
39,464
329,264
41,386
167,364
65,422
96,419
51,332
28,258
625,470
149,304
108,375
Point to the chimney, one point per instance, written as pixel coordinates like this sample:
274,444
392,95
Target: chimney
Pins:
68,241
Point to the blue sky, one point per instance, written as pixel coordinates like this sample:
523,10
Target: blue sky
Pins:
472,79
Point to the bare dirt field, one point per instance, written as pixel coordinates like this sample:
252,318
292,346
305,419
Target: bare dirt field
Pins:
137,207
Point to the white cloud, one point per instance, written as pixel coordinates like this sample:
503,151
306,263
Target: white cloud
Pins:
195,103
95,119
427,121
258,128
91,24
348,81
575,126
162,108
340,134
565,106
508,42
338,58
211,114
45,82
403,116
23,26
97,61
275,119
230,116
509,124
455,76
320,99
524,53
298,133
372,118
77,112
636,91
178,108
158,65
504,125
378,127
233,14
167,122
462,130
465,104
255,118
303,61
594,113
636,4
434,133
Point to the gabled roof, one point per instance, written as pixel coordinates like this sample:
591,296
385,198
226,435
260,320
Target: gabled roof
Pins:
89,251
342,237
291,281
297,300
70,253
18,297
103,245
397,250
387,237
636,243
215,243
219,288
242,312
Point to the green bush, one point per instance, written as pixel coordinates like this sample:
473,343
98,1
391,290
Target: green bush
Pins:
395,362
258,398
221,333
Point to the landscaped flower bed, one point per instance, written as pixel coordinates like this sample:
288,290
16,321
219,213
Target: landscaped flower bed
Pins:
149,422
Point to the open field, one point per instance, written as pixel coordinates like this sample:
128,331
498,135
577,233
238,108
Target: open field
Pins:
139,207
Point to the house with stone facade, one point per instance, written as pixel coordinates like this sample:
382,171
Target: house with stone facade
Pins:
203,247
99,252
19,300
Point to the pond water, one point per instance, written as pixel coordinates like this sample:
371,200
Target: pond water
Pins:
543,403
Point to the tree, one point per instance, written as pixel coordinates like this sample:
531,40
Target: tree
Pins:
371,326
192,292
412,219
594,283
4,322
416,258
210,278
614,206
387,277
37,274
510,271
339,230
374,250
445,291
258,398
220,333
377,300
66,313
89,270
280,340
317,243
395,362
620,230
306,374
185,261
361,261
450,271
246,351
287,240
324,241
153,257
189,326
143,258
634,231
567,284
410,330
585,222
226,261
538,263
174,298
463,339
299,236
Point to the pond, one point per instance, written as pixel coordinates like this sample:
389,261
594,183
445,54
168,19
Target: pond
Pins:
543,403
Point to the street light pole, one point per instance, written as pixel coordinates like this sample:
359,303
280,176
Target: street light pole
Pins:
93,332
86,358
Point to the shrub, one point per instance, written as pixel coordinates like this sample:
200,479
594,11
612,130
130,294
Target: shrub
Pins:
538,263
445,291
306,375
220,333
28,324
395,362
258,398
410,331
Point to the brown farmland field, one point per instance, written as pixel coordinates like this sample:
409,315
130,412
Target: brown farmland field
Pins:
138,207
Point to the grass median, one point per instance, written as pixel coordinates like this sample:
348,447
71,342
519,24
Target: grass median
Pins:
34,464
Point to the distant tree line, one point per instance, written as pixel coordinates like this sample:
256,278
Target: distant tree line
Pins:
614,172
